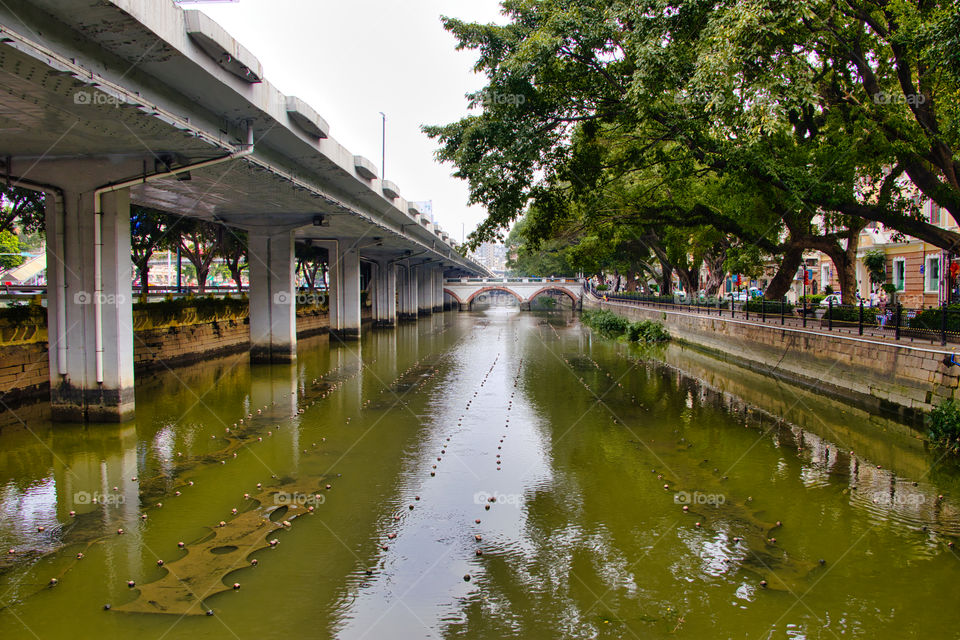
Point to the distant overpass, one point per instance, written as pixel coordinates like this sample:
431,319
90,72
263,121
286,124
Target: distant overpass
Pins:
113,102
465,290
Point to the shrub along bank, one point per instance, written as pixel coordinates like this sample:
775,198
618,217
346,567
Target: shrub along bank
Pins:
612,325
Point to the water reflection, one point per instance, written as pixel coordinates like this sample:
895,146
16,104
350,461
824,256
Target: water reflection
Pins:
488,474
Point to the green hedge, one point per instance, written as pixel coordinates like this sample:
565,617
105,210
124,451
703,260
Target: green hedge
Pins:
770,307
930,319
851,315
20,314
208,308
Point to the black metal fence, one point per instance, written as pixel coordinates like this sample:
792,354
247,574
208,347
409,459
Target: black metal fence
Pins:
937,324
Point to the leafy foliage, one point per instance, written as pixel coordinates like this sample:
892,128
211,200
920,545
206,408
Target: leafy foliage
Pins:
943,426
20,314
876,263
21,209
208,308
9,244
611,325
605,322
932,318
850,315
771,307
648,331
696,129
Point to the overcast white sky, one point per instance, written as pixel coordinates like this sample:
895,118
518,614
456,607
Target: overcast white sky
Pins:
351,60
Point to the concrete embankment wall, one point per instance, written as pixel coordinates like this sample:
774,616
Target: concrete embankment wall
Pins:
25,373
897,378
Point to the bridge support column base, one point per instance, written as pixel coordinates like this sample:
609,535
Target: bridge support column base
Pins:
68,404
345,335
84,311
261,354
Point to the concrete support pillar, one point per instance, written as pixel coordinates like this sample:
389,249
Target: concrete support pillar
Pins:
333,283
424,290
350,279
273,298
90,314
385,294
343,280
408,293
437,289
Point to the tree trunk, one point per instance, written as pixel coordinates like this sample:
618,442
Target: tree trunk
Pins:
202,279
666,277
236,272
845,262
715,272
780,284
145,278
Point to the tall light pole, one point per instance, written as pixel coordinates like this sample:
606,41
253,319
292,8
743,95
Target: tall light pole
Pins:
383,147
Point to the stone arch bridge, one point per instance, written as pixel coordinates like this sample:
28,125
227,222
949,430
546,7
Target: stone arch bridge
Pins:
464,291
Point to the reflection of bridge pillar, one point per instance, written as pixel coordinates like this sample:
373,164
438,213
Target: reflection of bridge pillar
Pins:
424,290
91,367
273,298
343,282
385,295
276,388
409,294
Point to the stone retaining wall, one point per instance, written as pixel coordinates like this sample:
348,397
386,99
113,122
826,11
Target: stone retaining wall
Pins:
879,375
25,373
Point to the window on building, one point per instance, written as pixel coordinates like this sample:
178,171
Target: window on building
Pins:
899,273
932,275
934,213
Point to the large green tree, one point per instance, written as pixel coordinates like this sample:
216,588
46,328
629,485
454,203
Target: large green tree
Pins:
803,118
21,209
149,232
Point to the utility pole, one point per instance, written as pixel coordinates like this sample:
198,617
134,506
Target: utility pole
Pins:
383,147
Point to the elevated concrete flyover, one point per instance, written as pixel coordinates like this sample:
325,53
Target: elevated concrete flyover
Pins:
464,291
110,102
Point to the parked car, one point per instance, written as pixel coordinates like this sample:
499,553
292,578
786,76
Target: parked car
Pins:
835,297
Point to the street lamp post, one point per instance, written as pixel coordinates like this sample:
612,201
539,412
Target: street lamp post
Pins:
383,146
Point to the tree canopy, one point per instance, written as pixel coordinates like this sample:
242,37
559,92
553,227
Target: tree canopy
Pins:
781,126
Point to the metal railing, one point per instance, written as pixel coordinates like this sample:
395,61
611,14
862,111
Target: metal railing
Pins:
512,280
936,324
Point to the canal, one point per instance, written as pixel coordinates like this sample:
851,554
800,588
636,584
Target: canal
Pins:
491,474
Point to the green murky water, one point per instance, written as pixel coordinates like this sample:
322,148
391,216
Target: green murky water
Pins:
589,450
